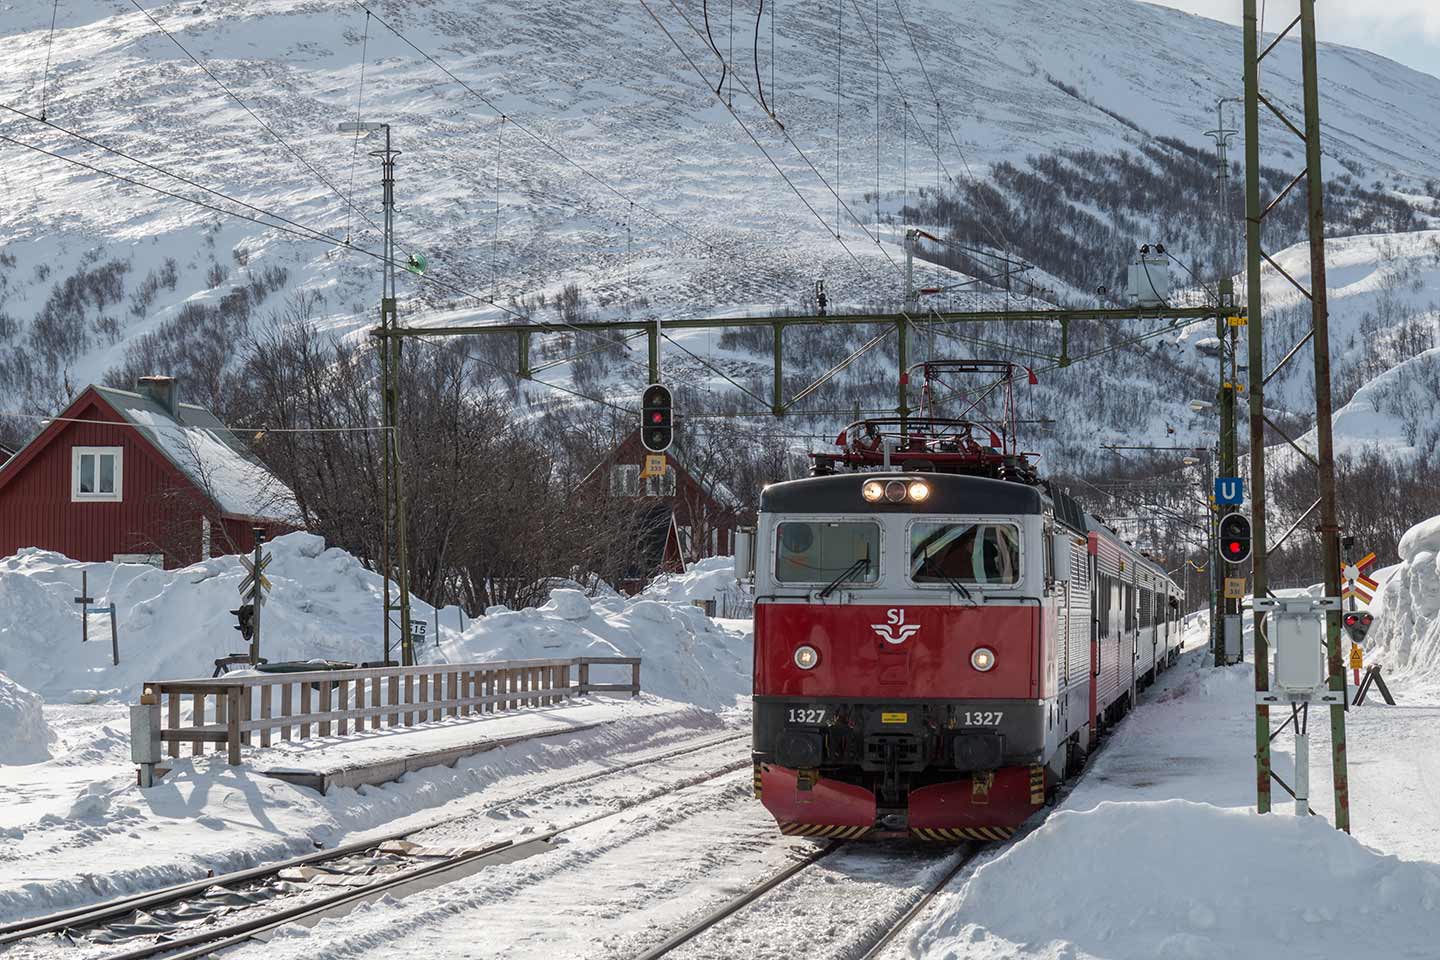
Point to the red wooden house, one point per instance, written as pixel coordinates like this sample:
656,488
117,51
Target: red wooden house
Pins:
139,476
685,515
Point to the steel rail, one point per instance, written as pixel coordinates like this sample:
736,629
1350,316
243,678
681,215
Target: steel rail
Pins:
206,943
96,914
736,905
909,915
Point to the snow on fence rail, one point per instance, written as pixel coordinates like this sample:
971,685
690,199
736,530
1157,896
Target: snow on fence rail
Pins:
230,711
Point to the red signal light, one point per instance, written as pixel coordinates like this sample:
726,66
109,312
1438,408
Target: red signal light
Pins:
657,417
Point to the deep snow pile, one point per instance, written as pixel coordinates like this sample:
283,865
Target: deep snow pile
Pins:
1253,886
707,579
1407,637
325,605
175,623
686,656
24,735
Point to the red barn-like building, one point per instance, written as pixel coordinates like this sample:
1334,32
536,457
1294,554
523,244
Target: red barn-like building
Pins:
139,476
685,516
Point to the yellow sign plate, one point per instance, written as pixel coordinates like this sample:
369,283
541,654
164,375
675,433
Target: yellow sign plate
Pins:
894,718
654,465
1234,588
1357,658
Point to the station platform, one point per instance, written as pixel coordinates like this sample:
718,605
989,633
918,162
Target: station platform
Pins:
382,756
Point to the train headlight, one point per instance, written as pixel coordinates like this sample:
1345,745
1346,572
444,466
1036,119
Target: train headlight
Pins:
806,657
895,491
982,659
873,490
919,490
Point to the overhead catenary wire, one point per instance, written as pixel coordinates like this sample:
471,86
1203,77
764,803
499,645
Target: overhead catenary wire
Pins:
49,46
786,134
246,107
544,383
759,82
525,130
709,35
748,132
359,102
275,222
185,427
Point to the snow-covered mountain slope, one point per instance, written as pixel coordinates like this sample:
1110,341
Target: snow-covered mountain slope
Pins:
98,266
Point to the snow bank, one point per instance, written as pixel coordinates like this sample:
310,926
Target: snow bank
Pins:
706,579
1252,887
24,735
1406,637
175,623
686,655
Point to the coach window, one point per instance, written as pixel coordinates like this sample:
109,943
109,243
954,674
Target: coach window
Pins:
983,553
818,551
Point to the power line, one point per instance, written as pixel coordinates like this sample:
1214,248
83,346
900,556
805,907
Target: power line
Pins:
246,107
285,225
359,102
789,139
541,141
543,383
40,418
49,46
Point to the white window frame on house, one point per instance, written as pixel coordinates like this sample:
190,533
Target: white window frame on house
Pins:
661,486
625,480
77,454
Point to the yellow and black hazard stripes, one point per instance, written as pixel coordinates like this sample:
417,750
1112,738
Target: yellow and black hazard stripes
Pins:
840,832
757,780
1037,786
943,834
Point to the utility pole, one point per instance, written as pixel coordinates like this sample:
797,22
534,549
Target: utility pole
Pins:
394,516
1254,217
1329,528
1324,461
390,376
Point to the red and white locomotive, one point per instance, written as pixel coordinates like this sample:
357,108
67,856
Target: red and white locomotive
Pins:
939,635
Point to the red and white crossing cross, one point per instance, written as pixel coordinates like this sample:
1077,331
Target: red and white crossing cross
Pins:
1359,583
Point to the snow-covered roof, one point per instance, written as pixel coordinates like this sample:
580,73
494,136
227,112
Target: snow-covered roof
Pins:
210,455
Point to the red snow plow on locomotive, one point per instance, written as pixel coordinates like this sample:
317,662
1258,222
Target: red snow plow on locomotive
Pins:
939,636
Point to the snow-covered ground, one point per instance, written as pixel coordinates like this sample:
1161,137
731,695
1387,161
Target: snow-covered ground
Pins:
324,604
1157,851
75,826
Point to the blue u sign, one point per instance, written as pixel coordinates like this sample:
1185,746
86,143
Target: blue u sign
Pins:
1229,491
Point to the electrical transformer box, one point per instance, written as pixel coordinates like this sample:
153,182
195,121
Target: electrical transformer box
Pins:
1149,283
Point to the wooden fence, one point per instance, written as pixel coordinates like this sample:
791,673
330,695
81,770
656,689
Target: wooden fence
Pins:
230,712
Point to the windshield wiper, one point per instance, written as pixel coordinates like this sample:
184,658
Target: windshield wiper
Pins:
863,563
955,585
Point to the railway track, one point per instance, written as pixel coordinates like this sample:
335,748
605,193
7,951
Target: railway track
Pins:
133,917
870,945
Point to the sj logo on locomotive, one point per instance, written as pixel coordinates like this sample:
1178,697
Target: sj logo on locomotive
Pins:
895,629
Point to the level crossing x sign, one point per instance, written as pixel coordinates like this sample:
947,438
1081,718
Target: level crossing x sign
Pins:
255,575
1358,583
1229,491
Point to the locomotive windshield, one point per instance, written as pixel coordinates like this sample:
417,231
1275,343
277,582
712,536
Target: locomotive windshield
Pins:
820,551
983,553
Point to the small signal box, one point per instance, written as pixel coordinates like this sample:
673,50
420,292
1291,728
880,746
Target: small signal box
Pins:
657,418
